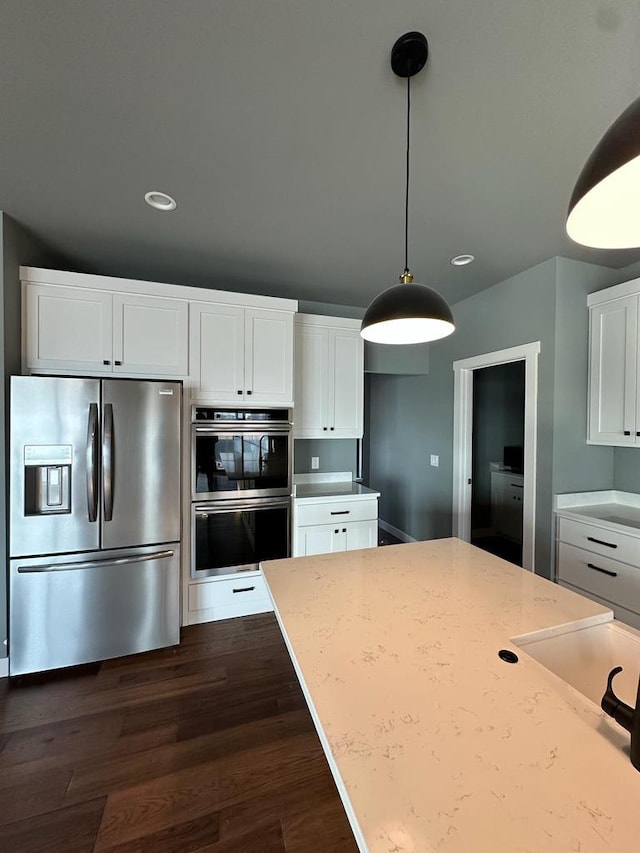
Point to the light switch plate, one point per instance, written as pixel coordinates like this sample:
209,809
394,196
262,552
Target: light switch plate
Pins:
315,463
435,460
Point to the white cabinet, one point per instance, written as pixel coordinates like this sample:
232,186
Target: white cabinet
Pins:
506,504
601,563
241,354
73,329
226,597
334,524
329,377
614,372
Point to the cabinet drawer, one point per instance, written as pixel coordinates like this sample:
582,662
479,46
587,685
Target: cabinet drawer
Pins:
606,578
336,511
599,540
239,593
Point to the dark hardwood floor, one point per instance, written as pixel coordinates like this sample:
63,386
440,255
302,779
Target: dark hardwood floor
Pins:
205,747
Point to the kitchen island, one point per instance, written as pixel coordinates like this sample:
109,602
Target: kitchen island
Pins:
436,743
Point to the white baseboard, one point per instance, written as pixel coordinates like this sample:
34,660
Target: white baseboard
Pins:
395,531
4,667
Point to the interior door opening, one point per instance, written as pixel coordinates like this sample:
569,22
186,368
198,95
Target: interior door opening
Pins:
463,476
497,463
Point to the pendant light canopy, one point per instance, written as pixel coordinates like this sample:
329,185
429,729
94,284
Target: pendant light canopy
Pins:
407,313
604,211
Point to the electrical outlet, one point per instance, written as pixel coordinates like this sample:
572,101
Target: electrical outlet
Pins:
315,463
435,460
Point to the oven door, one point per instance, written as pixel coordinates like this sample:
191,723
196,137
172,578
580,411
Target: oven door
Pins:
232,463
235,536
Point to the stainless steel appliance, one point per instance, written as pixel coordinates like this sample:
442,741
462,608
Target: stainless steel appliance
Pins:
241,475
238,453
94,519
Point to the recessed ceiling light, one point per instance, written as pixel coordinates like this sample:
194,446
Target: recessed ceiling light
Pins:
159,200
462,260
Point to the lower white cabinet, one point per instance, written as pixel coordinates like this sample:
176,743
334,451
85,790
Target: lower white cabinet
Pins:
335,524
228,596
601,563
506,504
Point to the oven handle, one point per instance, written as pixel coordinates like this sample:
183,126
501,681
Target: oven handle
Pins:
234,506
244,429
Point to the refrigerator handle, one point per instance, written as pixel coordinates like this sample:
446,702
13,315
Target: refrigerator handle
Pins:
92,462
107,461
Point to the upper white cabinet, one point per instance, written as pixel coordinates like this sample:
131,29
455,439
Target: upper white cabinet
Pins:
84,330
67,329
227,346
329,377
614,372
241,354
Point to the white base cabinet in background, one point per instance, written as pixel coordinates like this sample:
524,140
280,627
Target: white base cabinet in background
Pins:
334,524
329,377
601,563
506,504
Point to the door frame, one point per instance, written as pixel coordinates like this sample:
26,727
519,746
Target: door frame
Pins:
462,441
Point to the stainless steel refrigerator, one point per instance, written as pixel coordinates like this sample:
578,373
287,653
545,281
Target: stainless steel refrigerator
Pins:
94,519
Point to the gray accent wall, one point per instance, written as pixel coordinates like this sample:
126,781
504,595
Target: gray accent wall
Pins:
410,418
335,454
17,246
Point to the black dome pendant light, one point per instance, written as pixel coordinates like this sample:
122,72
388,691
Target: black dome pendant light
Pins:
604,211
407,313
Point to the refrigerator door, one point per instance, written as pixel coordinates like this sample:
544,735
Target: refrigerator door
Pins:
141,463
80,608
54,455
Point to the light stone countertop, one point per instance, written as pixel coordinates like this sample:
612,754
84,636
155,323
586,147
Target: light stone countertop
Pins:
345,489
314,487
435,743
619,510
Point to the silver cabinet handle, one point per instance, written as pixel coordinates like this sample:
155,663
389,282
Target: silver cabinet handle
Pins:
107,462
92,462
95,564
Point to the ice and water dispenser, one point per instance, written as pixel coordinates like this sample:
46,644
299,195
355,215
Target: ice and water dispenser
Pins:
47,478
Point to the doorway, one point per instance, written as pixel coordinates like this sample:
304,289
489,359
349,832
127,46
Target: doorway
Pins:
497,460
463,474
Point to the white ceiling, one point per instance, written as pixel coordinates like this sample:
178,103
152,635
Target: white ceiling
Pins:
278,125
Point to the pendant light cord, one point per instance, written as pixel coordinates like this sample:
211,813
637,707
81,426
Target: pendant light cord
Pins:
406,197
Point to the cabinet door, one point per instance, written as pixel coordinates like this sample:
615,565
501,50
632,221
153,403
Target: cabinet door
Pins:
317,539
346,367
613,372
68,329
361,534
268,348
150,335
217,352
311,417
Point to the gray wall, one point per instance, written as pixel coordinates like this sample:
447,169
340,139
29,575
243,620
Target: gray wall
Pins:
410,418
17,246
335,454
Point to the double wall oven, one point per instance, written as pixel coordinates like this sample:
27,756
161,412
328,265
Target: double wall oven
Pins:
241,475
